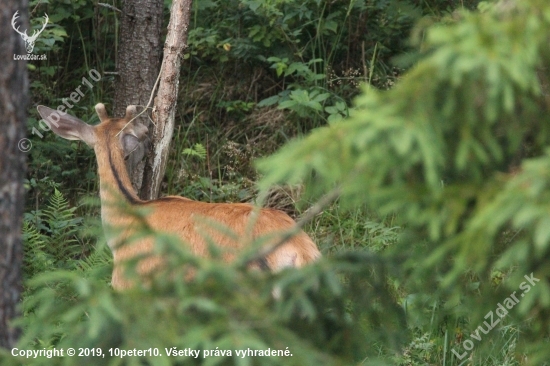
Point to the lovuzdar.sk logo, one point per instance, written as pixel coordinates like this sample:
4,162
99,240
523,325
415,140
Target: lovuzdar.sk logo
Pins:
29,40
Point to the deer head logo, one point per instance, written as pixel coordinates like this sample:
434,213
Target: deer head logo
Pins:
29,41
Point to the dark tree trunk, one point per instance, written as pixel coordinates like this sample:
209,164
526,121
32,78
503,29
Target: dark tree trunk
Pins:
166,100
13,104
138,64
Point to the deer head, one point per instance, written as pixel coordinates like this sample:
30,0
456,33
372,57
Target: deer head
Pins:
124,133
29,41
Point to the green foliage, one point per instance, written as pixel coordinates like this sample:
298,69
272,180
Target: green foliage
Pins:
438,150
301,40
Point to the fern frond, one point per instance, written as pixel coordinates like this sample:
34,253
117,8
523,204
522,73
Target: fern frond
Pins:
36,258
63,226
198,151
100,257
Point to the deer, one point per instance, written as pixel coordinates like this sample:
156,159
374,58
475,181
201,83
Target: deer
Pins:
29,40
113,140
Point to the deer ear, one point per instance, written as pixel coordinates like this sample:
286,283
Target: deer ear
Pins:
67,126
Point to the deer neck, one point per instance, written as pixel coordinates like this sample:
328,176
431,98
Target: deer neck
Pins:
115,188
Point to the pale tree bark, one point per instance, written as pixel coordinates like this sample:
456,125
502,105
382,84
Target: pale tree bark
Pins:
13,104
138,65
166,100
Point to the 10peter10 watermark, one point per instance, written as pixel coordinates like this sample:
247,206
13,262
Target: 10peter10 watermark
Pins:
62,108
25,144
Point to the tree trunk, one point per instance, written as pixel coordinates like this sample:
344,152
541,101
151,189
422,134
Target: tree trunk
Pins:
138,64
13,104
166,100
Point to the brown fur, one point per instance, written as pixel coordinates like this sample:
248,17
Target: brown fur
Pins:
185,218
